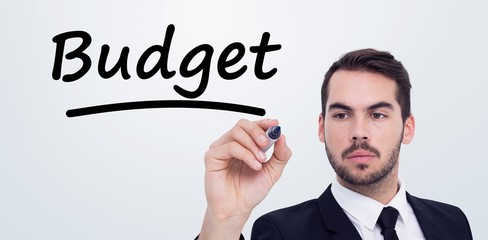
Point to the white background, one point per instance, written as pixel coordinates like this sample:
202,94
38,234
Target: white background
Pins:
139,174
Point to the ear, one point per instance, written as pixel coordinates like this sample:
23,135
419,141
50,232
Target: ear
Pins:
321,128
408,130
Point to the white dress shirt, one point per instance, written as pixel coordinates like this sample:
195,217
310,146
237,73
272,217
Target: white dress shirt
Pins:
363,212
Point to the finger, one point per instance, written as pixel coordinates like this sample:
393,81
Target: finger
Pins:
229,135
245,139
279,159
267,123
242,133
250,135
219,158
254,136
257,131
249,127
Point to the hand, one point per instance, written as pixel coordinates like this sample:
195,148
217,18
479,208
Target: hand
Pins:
238,177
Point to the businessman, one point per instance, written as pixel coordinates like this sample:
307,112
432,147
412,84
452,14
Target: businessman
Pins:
364,120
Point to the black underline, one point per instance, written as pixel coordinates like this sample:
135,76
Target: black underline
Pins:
113,107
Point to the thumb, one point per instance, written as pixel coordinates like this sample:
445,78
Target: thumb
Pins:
278,160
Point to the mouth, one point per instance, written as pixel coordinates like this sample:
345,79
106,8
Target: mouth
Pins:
361,156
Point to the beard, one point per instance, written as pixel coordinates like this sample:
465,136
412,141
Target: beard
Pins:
363,179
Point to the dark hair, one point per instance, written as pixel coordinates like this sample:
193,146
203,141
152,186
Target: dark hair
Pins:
373,61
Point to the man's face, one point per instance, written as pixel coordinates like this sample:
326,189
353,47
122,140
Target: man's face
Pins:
363,128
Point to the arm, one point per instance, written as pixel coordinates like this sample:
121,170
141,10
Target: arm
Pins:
238,177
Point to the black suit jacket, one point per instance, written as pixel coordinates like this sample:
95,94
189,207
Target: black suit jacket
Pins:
324,219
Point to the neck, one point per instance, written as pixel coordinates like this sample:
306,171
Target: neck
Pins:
382,191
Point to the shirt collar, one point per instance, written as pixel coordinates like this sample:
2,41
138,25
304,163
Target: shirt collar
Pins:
367,210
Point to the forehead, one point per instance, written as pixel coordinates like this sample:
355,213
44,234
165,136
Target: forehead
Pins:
360,88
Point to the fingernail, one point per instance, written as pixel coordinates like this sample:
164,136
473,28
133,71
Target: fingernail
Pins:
262,156
263,138
257,163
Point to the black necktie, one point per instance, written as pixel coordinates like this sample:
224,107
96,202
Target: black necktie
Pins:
387,222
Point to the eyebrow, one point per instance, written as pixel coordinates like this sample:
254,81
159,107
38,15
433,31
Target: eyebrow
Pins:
341,106
380,105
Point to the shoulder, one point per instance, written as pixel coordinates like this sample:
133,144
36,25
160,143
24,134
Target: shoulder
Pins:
441,218
294,222
435,208
295,213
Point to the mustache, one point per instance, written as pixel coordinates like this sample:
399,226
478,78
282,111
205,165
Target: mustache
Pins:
360,145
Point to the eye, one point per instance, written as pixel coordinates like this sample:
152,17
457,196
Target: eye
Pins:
378,115
340,116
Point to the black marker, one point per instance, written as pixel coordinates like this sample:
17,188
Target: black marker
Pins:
273,133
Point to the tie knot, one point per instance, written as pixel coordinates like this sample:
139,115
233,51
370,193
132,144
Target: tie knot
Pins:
388,218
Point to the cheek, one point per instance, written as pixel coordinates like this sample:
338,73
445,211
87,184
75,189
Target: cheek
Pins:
335,136
397,131
387,136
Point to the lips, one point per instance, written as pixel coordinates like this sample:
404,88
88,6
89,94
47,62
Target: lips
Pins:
361,153
361,156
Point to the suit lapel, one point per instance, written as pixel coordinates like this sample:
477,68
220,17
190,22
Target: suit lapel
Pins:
427,223
334,218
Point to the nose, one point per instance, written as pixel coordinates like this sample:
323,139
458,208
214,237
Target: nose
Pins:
360,131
